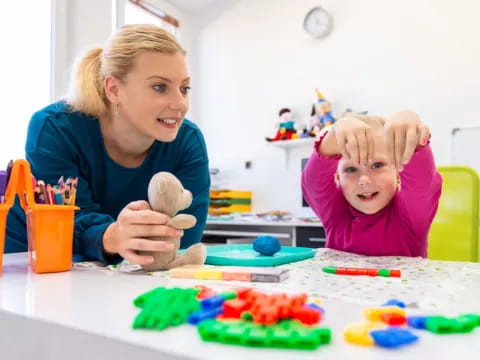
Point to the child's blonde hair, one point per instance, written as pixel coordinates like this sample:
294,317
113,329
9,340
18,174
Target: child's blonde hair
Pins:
86,92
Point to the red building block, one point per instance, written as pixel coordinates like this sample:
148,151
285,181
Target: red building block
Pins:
394,319
306,315
234,308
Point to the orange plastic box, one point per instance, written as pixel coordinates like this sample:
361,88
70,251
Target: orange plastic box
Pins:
49,227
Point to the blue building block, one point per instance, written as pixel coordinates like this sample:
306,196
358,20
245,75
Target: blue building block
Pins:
212,302
316,307
417,322
392,337
395,302
199,316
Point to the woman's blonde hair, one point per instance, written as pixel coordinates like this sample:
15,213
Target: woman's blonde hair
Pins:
86,92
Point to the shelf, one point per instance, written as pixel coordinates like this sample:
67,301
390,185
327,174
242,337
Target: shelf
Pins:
287,144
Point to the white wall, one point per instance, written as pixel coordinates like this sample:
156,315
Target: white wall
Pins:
382,56
24,71
78,26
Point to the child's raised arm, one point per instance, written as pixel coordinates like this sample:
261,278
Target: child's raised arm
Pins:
352,137
404,132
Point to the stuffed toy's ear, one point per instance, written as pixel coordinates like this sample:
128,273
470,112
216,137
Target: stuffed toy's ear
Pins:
167,195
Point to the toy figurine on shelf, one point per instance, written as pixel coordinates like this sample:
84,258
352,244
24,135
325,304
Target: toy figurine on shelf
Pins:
286,129
321,115
307,133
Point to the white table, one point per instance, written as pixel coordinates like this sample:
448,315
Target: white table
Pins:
87,314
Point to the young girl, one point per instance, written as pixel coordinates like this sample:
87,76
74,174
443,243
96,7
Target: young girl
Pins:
374,185
122,123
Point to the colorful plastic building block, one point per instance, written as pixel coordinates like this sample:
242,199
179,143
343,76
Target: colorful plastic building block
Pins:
285,334
163,307
306,315
269,309
395,302
394,319
417,322
317,307
393,337
201,315
441,325
212,302
359,333
205,292
375,314
465,324
473,317
314,300
234,308
444,325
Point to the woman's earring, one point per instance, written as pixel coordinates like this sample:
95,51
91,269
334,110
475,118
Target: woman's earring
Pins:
116,111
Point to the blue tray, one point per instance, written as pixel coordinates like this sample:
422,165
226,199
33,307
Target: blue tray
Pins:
244,255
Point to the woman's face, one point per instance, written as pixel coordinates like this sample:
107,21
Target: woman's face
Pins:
153,97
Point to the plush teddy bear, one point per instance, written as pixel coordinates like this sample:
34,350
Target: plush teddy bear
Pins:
167,195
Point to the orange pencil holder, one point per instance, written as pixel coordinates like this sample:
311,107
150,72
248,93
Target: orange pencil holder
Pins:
3,222
49,227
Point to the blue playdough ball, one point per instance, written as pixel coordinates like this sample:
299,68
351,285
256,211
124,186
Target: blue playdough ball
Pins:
266,245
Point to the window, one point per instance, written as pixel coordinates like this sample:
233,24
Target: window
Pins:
25,71
142,12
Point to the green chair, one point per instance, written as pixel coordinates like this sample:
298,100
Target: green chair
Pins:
454,232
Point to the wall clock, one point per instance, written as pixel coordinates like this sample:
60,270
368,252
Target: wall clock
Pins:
318,23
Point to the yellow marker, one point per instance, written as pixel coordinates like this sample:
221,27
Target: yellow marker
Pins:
359,333
375,314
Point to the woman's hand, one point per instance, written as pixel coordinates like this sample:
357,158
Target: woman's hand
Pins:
135,224
404,132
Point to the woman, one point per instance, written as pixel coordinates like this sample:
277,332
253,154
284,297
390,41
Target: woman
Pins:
122,122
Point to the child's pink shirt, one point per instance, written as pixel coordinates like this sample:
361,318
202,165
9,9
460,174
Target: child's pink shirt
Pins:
401,228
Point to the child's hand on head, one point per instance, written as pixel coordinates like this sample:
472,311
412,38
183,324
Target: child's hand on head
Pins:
355,137
404,132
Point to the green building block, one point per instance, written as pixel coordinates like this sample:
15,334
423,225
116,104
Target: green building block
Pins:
473,317
465,324
247,316
141,300
163,307
441,325
285,334
229,295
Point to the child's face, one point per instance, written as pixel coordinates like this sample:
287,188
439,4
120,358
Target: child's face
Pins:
370,187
